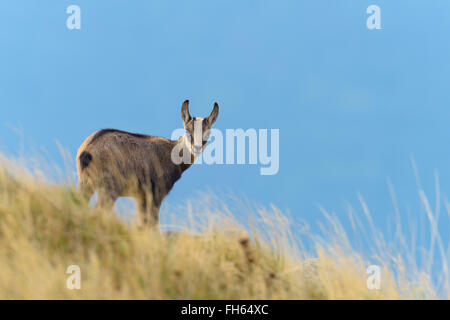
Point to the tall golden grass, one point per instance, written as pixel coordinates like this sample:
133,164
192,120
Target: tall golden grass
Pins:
46,227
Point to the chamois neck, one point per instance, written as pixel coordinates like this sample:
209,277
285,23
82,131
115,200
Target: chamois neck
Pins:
183,166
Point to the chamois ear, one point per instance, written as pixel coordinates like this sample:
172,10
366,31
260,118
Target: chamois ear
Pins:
185,115
214,114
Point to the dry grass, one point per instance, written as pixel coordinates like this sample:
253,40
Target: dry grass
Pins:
46,227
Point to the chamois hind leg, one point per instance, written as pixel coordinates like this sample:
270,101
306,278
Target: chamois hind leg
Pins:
148,212
86,190
106,199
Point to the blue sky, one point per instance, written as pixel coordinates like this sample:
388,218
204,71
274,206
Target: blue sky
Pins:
352,105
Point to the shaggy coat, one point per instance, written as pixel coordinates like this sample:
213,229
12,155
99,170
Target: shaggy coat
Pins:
122,164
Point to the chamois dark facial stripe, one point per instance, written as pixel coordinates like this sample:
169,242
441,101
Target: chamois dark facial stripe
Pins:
85,158
102,132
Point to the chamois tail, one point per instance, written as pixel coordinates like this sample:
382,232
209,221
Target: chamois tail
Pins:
85,158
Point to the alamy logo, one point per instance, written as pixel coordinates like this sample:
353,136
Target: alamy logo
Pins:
74,20
229,150
374,280
74,280
374,20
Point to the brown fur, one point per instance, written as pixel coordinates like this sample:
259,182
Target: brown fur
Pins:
121,164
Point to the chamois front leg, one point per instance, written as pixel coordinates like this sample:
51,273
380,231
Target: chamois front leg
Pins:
148,212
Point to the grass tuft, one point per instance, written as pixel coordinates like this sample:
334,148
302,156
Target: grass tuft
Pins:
46,227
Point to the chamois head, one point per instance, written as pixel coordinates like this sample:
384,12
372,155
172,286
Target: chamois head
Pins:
197,129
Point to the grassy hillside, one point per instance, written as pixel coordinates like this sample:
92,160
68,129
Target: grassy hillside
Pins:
46,227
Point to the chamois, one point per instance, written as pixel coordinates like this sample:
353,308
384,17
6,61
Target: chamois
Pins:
117,164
